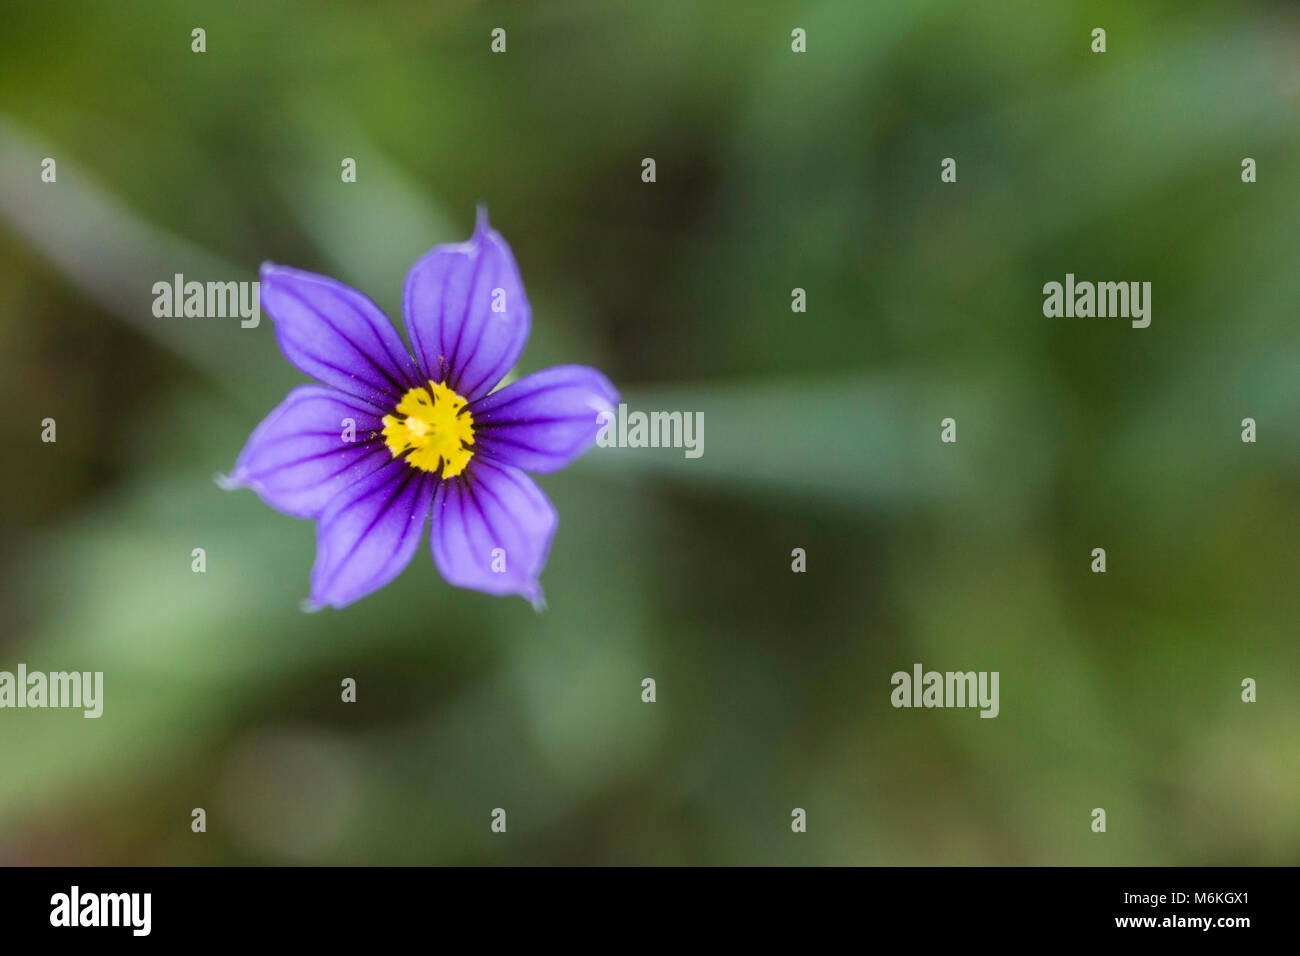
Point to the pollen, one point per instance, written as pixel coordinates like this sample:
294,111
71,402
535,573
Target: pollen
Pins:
433,428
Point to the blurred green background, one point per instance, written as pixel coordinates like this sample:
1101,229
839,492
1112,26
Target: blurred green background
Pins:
775,171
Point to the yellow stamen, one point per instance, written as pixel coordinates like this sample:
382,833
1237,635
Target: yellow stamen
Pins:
435,426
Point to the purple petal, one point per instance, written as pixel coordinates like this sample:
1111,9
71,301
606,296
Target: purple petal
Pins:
367,535
300,456
336,335
545,420
449,304
492,530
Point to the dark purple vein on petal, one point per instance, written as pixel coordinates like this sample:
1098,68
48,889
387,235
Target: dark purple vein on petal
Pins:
338,568
452,371
398,389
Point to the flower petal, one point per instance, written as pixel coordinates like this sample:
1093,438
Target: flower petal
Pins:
449,300
492,530
545,420
336,335
368,534
305,452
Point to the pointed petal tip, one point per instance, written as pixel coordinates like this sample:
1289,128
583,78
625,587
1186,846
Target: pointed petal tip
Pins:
532,593
228,482
481,224
270,271
602,405
310,606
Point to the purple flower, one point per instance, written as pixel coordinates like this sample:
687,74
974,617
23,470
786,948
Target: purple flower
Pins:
387,439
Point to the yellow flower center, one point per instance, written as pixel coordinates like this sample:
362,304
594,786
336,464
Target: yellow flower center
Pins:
435,426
